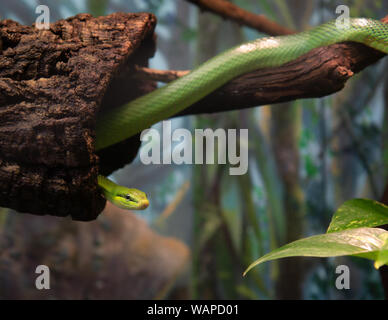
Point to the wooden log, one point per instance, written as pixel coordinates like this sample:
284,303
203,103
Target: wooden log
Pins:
52,83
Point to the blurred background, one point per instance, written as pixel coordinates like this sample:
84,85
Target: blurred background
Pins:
204,227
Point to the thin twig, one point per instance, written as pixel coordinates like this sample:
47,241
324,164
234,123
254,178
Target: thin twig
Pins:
230,11
159,75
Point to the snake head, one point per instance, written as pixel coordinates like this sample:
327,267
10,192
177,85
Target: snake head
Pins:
131,199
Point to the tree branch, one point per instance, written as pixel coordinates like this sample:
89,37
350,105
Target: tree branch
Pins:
320,72
149,74
230,11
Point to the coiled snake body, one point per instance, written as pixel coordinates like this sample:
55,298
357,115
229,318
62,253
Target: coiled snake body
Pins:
141,113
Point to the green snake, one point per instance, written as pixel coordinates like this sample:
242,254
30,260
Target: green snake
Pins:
139,114
122,197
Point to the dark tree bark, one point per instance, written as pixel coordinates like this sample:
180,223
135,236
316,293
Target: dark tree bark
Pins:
52,83
321,72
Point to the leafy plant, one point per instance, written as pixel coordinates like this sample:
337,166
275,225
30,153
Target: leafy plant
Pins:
350,232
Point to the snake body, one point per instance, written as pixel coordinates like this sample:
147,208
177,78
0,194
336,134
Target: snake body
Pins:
139,114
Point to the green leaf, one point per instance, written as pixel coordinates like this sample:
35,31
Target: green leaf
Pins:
357,213
382,258
346,242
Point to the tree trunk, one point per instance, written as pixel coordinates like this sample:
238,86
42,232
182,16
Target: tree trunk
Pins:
52,83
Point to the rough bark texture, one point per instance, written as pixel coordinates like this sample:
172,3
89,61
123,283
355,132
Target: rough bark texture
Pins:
52,83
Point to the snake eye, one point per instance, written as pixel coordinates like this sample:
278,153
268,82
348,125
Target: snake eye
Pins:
128,197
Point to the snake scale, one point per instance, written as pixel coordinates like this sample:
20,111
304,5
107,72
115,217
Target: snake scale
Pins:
139,114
